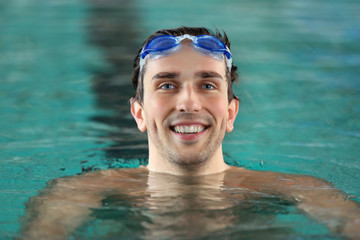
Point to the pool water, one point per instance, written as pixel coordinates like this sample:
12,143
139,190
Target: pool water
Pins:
65,71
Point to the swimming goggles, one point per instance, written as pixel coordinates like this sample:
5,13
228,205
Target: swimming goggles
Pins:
166,44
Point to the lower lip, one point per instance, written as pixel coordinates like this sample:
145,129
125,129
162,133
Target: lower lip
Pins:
189,137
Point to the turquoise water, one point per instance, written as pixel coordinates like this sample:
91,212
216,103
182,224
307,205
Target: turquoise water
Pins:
65,81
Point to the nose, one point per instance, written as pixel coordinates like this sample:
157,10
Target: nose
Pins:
188,100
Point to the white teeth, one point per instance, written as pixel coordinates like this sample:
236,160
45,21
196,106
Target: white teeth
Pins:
189,129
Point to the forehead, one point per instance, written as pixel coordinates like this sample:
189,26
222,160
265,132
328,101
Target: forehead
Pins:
186,61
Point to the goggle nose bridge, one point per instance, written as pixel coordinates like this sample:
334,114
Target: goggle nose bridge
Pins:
185,36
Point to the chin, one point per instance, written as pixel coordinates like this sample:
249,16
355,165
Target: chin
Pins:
190,160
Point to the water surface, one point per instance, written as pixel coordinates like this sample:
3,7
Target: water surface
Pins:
65,82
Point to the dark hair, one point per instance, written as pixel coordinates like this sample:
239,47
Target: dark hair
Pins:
137,82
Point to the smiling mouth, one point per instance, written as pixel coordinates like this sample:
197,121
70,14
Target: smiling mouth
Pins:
188,129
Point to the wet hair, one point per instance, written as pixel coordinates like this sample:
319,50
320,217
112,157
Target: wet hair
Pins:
137,81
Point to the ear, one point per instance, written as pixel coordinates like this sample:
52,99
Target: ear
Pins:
232,113
137,112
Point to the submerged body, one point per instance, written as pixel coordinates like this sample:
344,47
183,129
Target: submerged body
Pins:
136,202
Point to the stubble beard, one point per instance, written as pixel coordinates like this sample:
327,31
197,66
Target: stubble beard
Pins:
189,161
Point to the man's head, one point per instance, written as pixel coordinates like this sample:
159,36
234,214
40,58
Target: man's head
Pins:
183,102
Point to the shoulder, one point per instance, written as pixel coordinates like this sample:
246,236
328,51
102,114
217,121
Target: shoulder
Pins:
99,179
268,180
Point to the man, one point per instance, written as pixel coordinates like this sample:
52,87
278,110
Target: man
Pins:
184,101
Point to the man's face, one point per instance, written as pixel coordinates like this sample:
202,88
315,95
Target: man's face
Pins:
185,107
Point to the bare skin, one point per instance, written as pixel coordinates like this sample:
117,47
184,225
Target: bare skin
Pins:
68,203
185,113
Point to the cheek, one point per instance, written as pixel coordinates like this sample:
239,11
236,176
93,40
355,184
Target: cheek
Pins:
218,108
157,108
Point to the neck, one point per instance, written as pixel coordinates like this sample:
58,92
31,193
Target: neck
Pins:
160,164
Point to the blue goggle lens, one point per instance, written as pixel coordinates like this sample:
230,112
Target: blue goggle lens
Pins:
210,43
159,44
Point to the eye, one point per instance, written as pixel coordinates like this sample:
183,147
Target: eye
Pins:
167,86
207,86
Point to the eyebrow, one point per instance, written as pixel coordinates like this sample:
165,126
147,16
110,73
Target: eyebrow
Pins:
169,75
174,75
208,74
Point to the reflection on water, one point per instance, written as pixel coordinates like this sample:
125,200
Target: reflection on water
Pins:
112,28
210,207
